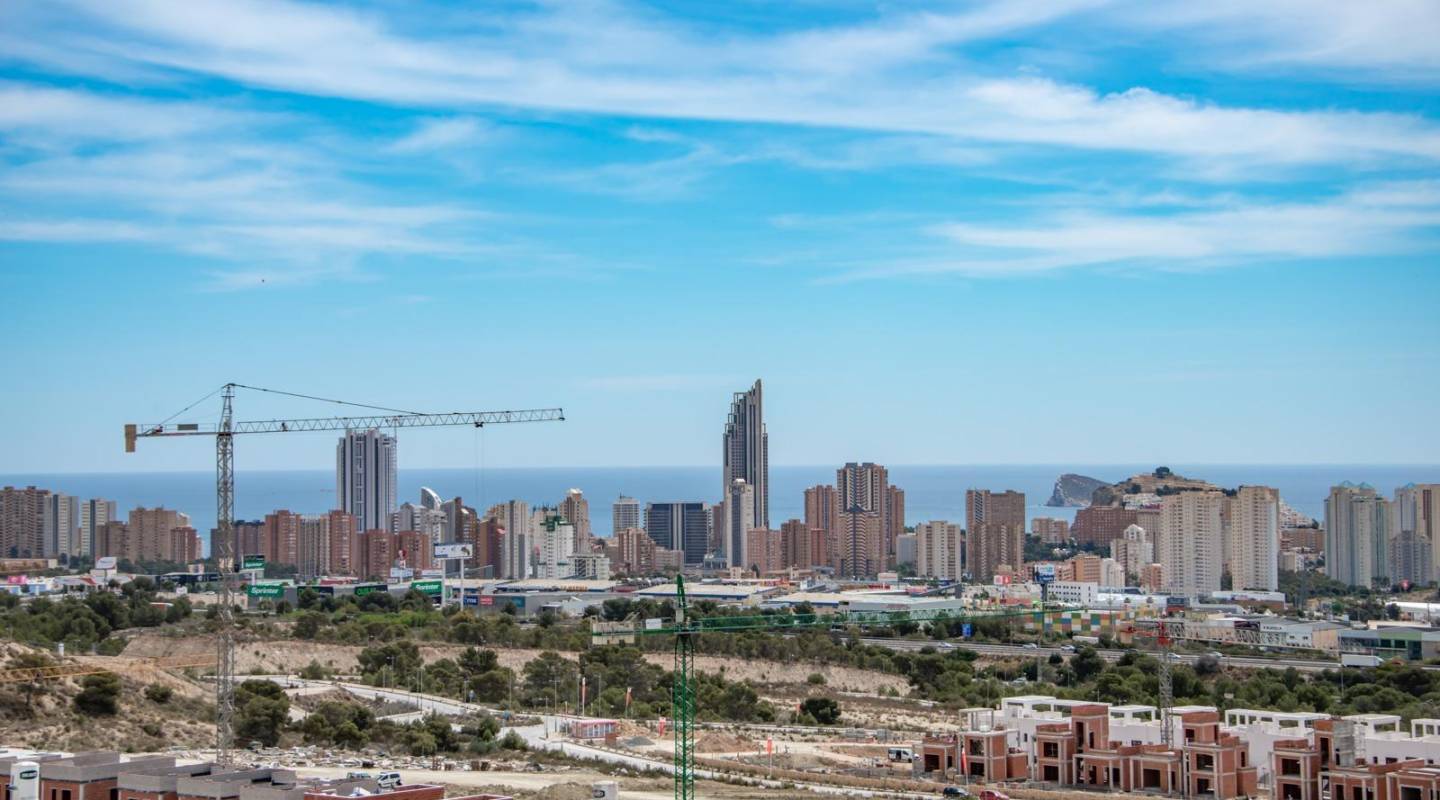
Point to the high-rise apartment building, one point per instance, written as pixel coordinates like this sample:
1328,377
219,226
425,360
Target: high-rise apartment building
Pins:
764,551
1410,558
822,511
377,547
938,550
365,471
62,525
281,538
736,520
1417,510
1101,525
94,513
1357,522
866,487
994,532
345,552
1252,521
625,513
431,521
22,522
1190,541
805,547
635,551
312,546
747,452
1050,530
683,526
859,539
1133,551
415,550
153,535
576,510
555,544
894,520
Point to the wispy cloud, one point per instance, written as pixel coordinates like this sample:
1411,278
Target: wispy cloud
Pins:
1385,219
442,134
894,74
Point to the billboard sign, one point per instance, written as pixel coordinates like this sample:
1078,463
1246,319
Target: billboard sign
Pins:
265,590
362,589
472,599
449,550
106,562
967,630
427,587
400,573
1044,573
253,562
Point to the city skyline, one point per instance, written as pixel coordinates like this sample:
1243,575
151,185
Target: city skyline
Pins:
853,202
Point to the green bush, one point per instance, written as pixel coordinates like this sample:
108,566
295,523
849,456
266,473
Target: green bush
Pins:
100,695
158,693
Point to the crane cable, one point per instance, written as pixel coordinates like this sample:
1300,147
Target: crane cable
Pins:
323,399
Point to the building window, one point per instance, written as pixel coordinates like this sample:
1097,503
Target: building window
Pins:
1050,750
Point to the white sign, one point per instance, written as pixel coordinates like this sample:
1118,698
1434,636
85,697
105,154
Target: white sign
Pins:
432,573
451,550
108,562
653,623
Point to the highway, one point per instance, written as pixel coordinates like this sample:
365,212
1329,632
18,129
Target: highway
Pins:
1015,650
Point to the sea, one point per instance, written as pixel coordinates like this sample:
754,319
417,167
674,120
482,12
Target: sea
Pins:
932,492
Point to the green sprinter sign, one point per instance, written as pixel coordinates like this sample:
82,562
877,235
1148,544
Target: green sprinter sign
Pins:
265,590
253,562
427,587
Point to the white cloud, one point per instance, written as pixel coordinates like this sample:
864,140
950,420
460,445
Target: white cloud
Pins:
896,74
442,134
1382,220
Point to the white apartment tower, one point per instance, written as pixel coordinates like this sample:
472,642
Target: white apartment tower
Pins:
1417,511
747,451
61,519
1253,531
1191,541
737,518
365,467
555,545
94,513
1133,551
938,547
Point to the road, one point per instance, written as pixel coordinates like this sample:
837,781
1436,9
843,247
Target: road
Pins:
1015,650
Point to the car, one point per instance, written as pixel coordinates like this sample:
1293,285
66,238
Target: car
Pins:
993,794
946,646
1031,646
1215,654
388,780
954,791
1068,648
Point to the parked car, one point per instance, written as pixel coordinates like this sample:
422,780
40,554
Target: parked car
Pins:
954,791
993,794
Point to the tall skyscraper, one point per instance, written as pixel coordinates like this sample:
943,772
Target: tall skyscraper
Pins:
860,541
679,526
94,513
61,521
747,451
822,505
576,510
430,521
624,513
1357,522
866,487
365,467
1253,531
312,548
938,546
737,515
555,544
1191,532
22,522
345,552
281,538
894,519
515,539
1417,511
154,537
994,532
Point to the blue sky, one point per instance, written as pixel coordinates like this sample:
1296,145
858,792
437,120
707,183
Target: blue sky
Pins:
1019,232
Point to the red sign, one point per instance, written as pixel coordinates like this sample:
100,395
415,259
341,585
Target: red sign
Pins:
487,600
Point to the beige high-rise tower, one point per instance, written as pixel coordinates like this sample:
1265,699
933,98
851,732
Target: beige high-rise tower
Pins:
994,532
1253,532
1190,542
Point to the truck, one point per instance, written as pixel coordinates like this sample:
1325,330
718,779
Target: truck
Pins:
1095,640
1360,660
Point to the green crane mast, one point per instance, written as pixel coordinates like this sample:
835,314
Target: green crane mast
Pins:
685,628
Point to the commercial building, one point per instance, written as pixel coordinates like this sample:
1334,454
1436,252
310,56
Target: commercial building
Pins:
680,526
939,550
746,454
365,469
1190,541
1252,521
994,532
1357,521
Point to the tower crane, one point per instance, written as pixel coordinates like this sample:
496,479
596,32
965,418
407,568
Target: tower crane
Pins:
686,628
222,546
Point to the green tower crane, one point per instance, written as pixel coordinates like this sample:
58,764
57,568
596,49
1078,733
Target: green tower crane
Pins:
686,628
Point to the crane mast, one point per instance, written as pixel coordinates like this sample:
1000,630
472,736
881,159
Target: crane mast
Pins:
223,546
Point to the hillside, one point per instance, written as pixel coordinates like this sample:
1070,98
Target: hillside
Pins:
1073,491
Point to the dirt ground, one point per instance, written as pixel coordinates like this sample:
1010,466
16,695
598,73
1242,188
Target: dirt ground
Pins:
293,655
